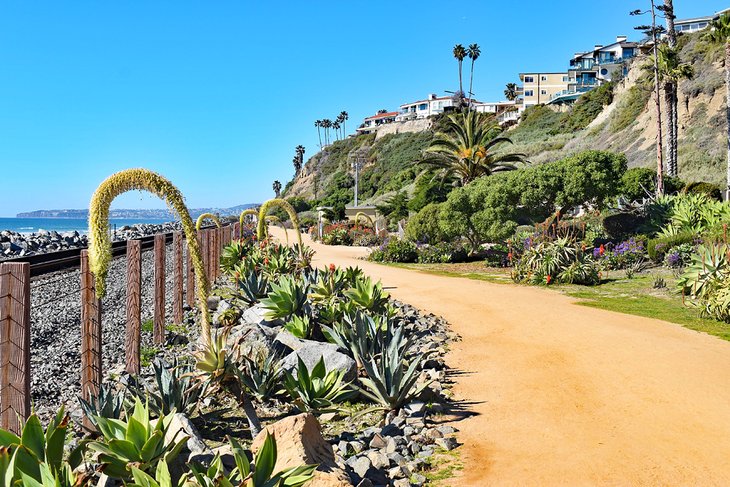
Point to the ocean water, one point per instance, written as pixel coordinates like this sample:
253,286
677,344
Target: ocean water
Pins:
33,225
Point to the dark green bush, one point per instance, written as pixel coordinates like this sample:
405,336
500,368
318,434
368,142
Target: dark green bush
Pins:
640,182
424,226
622,225
658,247
442,253
700,187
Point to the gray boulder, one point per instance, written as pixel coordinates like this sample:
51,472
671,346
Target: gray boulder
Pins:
255,315
312,352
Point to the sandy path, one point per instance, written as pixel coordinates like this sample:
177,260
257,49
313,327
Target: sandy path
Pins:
561,394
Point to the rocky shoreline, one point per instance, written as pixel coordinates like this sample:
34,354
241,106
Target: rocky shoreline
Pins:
14,244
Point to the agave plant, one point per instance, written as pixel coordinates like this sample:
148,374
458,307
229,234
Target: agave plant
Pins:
287,298
35,458
232,255
108,403
299,326
709,265
391,379
364,335
317,390
176,390
328,286
260,474
137,442
260,375
253,287
217,368
368,295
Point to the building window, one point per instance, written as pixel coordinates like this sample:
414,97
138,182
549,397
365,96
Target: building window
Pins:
604,72
529,93
566,79
543,92
529,79
423,106
543,78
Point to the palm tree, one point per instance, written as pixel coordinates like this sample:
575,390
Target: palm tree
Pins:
460,54
345,117
300,152
720,34
463,152
671,71
511,92
318,124
277,188
473,53
336,126
326,125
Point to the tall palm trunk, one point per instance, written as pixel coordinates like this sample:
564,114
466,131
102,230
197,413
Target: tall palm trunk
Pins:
461,86
727,111
672,99
669,96
319,134
471,81
659,138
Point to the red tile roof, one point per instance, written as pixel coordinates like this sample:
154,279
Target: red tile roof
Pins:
382,115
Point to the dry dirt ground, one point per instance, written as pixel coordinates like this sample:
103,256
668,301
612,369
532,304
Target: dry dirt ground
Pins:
553,393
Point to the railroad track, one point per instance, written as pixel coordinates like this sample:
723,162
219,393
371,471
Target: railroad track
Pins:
48,262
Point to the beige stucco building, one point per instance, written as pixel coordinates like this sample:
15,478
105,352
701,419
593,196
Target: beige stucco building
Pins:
539,87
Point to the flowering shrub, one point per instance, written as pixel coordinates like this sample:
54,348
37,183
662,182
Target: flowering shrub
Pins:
344,234
441,253
395,250
679,256
559,260
621,255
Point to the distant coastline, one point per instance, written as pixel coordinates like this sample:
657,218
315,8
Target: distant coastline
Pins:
141,214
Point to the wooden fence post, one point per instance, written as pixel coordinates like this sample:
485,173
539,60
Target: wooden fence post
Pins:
204,252
177,298
190,289
134,308
236,231
217,254
91,338
14,345
158,331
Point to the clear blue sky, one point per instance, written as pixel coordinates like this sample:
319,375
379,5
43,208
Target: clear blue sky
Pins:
215,95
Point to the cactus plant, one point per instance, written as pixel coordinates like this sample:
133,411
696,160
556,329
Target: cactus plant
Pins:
261,229
207,216
100,250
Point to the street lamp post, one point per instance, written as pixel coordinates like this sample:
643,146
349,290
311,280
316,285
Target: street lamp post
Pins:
357,161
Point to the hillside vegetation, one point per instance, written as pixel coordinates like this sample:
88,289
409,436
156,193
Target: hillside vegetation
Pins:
617,116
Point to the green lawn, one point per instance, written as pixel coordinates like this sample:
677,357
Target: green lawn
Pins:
635,296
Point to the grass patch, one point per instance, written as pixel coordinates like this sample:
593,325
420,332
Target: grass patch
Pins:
148,326
635,296
146,354
443,466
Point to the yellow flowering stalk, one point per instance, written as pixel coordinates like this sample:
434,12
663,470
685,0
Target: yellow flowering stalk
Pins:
209,216
250,211
275,219
361,214
100,247
261,229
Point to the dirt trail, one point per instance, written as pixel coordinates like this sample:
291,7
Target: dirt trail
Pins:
561,394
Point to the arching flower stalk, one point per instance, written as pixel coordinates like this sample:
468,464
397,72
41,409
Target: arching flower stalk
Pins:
208,216
276,219
261,229
367,217
100,249
244,213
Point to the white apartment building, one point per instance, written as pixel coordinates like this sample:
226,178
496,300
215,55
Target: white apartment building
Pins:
433,105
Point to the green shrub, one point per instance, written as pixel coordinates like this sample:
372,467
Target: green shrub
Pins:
712,190
622,225
395,250
424,226
550,261
658,247
442,253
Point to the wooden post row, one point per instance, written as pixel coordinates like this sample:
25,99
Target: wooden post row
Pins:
91,339
14,345
236,231
158,330
190,289
204,252
134,309
177,298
